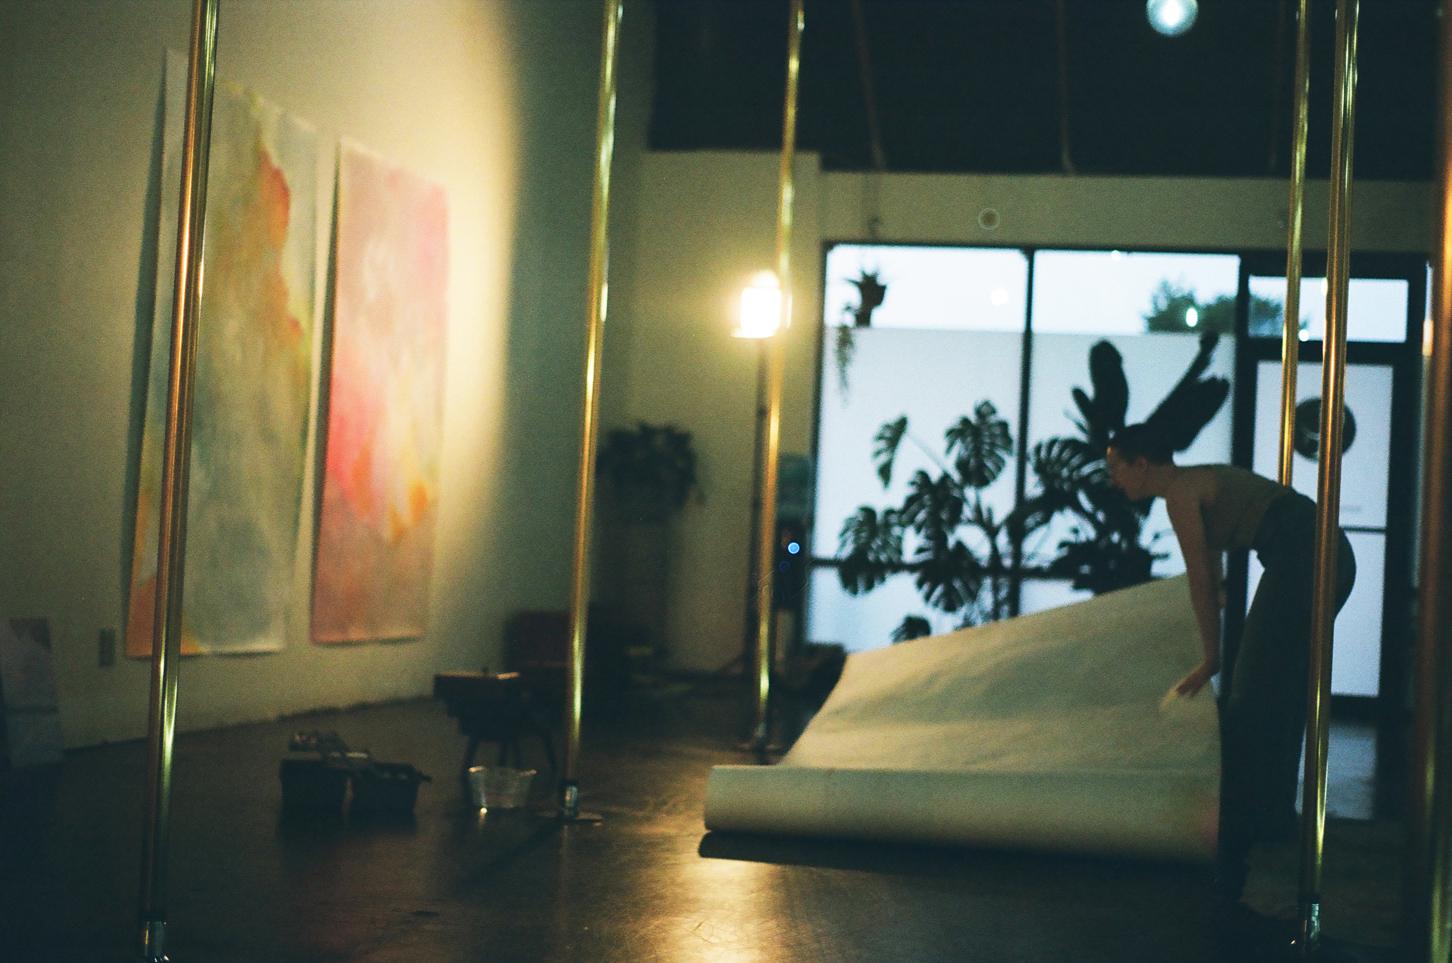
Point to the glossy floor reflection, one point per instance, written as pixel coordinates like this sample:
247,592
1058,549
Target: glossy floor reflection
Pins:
646,884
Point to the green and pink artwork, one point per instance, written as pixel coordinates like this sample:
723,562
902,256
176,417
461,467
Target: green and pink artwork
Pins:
253,378
381,475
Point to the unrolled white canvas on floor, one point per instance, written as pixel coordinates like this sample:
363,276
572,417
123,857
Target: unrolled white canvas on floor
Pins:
1046,732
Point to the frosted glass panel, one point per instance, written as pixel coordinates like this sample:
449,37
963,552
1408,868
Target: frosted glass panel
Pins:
1356,646
1113,292
1376,309
933,377
865,621
1364,464
930,287
1153,364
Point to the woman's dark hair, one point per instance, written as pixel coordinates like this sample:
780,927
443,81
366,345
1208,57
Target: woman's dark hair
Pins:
1141,441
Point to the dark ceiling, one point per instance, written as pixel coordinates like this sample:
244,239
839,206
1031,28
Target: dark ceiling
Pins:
985,86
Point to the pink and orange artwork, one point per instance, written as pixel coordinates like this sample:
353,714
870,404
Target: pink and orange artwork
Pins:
381,476
254,373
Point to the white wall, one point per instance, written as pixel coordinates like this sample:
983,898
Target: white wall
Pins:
1186,213
704,224
493,98
706,220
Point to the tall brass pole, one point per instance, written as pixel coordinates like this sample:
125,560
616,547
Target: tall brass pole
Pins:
775,370
1295,210
589,427
1429,878
171,545
1328,483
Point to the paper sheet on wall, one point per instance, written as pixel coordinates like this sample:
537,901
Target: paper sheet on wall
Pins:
253,381
1046,732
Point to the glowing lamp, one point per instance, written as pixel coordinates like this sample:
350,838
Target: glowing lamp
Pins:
1171,17
761,304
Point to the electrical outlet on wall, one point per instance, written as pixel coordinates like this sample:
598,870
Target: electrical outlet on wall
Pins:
106,647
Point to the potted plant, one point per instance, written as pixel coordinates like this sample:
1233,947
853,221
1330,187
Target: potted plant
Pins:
871,292
647,474
649,470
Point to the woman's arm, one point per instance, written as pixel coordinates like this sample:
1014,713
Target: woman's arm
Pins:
1202,568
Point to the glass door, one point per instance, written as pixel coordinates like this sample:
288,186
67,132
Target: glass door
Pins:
1384,304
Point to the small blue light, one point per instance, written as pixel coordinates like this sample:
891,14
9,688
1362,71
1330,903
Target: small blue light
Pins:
794,548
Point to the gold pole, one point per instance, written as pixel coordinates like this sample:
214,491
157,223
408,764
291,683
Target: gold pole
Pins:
171,548
589,427
1328,484
1295,209
775,371
1429,878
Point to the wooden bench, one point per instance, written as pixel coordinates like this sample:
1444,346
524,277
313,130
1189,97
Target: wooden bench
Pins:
502,708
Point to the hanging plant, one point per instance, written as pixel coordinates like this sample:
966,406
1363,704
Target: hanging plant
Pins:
870,294
844,346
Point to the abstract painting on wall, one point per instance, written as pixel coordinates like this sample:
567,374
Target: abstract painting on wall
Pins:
381,474
253,377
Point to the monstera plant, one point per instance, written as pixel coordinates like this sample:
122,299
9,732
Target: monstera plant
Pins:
955,545
930,533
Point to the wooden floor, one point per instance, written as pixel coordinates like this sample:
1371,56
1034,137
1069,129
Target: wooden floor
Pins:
646,884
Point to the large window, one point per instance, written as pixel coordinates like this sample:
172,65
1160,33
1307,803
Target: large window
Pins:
1118,292
1152,308
946,336
931,333
1376,308
916,339
954,288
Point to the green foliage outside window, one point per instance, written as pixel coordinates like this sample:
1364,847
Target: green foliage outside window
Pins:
1170,305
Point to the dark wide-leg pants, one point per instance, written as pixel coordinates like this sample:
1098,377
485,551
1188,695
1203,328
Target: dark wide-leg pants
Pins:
1263,715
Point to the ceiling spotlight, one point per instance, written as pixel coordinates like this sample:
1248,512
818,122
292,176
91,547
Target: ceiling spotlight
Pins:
1171,17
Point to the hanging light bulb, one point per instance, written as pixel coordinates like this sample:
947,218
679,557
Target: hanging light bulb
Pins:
760,315
1171,17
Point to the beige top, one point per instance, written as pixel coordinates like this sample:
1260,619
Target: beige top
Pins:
1234,505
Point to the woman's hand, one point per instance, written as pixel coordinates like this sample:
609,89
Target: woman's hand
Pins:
1197,678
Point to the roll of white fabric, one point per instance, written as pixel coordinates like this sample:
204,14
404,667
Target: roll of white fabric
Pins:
1046,732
